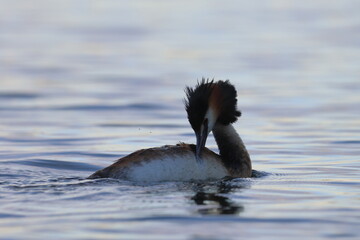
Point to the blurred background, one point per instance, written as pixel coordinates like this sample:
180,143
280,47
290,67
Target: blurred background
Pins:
85,82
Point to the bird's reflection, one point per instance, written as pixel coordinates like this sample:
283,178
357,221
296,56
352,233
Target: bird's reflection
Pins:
215,201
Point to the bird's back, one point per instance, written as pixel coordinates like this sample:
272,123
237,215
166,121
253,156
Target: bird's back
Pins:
167,163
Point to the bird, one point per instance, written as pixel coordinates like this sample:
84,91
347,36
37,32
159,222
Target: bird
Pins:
211,106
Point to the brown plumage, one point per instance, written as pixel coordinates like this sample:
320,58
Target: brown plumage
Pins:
211,106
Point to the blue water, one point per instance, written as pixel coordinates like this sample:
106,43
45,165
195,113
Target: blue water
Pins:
85,83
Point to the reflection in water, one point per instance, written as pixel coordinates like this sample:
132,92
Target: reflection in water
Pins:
223,205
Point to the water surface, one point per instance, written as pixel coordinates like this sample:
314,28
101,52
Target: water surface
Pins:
83,84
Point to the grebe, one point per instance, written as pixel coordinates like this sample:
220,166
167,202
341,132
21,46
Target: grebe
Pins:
210,106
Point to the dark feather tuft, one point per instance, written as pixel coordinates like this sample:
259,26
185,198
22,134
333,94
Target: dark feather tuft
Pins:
197,102
229,112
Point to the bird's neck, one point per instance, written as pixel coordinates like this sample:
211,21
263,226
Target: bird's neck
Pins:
232,150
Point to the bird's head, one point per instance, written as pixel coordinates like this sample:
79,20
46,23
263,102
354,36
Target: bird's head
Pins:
207,104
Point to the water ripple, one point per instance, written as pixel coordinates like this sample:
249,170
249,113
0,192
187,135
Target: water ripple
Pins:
226,218
98,107
18,95
56,164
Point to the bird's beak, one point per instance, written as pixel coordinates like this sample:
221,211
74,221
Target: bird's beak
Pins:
201,137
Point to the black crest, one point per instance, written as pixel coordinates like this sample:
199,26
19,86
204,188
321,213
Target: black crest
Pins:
197,102
228,109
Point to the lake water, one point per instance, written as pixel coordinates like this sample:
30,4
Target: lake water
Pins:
83,83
